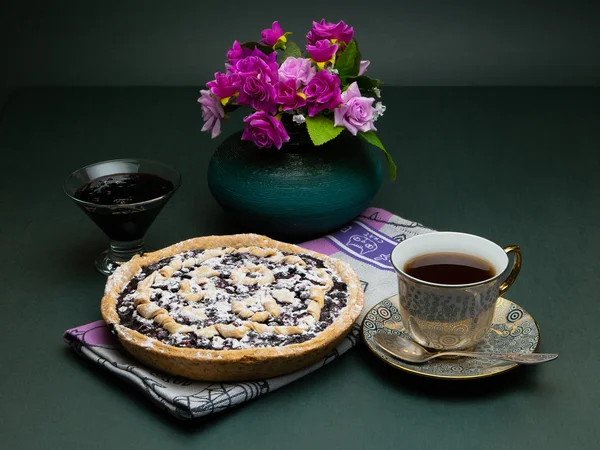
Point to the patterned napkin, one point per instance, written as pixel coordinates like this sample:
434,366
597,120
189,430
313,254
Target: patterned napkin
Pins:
365,243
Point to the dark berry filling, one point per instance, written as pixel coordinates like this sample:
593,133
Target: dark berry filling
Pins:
167,298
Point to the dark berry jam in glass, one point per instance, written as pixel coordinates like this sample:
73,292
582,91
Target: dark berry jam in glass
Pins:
122,197
116,202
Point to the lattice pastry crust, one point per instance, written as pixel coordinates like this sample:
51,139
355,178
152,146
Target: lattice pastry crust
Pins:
252,316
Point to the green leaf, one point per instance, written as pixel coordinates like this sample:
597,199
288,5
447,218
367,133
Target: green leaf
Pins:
321,129
372,139
291,51
262,47
348,63
365,83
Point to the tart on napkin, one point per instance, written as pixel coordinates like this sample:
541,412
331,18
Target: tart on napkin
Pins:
231,308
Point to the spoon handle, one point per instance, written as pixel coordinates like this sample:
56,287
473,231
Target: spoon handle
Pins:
521,358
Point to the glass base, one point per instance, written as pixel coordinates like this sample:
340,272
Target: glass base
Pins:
119,252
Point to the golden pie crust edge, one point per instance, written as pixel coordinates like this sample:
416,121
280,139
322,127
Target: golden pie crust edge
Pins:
230,365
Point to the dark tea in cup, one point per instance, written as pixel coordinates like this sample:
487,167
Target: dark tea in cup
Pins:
449,268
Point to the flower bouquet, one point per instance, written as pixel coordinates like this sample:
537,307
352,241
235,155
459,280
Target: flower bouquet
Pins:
326,88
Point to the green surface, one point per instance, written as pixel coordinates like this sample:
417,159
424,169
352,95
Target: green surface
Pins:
514,165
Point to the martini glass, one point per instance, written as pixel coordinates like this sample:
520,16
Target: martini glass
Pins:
122,197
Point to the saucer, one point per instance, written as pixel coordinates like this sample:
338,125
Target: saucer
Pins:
513,330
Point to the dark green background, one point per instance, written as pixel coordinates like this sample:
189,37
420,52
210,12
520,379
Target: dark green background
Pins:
516,165
182,42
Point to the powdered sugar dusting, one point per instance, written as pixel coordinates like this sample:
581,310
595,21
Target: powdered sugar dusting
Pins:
202,297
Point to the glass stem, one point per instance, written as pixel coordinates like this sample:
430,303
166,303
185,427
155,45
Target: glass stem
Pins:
124,251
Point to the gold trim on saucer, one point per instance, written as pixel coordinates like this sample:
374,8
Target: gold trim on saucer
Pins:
390,362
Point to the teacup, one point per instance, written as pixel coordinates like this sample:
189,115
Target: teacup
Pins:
452,316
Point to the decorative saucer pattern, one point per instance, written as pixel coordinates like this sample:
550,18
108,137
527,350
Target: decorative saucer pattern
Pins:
513,330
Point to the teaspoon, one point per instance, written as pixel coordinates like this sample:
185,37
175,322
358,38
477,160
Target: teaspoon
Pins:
407,350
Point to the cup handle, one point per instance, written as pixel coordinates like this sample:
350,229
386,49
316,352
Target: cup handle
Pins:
516,267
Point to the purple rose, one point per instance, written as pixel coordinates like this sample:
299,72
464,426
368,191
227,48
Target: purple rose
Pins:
363,67
298,69
356,113
270,36
212,112
288,96
257,93
269,58
224,85
249,66
322,51
264,130
327,30
322,92
237,52
258,64
253,66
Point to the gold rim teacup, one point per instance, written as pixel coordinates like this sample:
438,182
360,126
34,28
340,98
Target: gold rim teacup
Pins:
451,316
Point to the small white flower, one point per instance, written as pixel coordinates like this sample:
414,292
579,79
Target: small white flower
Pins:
377,92
299,118
332,70
379,110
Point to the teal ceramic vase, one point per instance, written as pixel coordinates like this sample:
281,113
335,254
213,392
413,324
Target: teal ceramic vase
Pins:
299,192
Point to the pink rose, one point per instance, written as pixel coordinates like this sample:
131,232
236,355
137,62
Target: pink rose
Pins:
322,51
322,92
264,130
212,112
327,30
356,113
363,67
298,69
